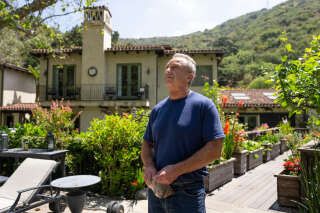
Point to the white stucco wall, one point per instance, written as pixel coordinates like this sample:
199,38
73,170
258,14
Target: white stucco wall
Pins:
18,87
88,115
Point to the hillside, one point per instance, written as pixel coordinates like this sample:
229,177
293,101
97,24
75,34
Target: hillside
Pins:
252,41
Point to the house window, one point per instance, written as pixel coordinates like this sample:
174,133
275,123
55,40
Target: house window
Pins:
10,121
128,80
63,81
203,74
252,121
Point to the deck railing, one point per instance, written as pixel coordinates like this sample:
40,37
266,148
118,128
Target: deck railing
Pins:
97,92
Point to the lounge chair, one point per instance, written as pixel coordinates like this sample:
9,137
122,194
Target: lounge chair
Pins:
21,191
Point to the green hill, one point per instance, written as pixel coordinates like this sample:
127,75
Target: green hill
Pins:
252,41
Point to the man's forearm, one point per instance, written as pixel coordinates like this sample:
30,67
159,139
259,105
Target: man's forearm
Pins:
147,154
208,153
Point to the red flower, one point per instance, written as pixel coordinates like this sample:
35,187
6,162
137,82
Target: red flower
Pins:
226,127
125,115
134,183
240,103
224,100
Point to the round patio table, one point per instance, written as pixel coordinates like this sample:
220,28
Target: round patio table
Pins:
75,185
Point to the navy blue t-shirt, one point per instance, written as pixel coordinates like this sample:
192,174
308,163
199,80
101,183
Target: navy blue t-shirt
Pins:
179,128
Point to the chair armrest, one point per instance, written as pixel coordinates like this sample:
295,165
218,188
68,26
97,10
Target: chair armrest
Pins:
14,205
33,188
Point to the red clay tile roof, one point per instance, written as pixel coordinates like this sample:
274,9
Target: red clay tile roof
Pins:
257,98
22,107
195,51
38,52
165,49
15,67
138,48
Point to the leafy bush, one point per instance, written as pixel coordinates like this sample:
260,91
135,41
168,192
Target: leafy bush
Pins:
310,182
251,145
298,81
115,143
260,83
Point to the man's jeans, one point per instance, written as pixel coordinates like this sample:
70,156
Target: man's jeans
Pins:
188,198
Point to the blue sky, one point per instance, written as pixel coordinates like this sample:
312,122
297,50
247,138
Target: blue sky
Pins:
150,18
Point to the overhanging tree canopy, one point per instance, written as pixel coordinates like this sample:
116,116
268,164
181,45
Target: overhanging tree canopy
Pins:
26,14
298,81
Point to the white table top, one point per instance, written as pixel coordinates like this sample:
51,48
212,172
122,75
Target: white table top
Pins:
75,182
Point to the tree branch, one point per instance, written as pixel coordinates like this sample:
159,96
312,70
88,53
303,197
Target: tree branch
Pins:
64,14
26,10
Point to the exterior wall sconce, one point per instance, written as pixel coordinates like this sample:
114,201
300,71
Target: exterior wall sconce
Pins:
148,71
50,141
4,142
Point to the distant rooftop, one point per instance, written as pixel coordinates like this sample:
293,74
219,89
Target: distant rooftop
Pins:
250,97
15,67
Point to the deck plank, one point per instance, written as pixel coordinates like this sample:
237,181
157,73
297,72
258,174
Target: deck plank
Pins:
255,189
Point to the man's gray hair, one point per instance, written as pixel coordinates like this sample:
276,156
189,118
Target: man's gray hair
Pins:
191,64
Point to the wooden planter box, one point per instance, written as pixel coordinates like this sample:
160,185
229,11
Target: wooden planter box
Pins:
240,164
275,152
219,175
307,153
267,148
254,158
288,190
283,147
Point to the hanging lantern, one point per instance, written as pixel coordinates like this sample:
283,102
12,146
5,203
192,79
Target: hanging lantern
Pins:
4,142
50,141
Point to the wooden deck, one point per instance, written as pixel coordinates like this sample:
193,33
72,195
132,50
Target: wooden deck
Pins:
256,189
253,192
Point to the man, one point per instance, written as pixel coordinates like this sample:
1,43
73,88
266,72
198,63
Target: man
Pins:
183,135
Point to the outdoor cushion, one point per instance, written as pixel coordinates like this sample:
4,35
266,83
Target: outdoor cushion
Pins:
5,204
3,179
31,173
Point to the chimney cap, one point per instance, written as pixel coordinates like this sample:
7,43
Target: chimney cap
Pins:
99,7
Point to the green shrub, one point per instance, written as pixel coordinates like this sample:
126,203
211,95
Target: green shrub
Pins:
116,146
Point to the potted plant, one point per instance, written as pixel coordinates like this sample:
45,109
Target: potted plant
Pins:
288,185
239,152
310,150
269,141
285,129
254,155
222,171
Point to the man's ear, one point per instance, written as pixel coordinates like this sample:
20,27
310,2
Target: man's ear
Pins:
190,76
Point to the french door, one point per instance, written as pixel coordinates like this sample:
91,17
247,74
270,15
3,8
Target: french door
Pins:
128,80
64,80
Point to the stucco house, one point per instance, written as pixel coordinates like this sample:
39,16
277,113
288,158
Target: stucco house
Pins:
17,94
98,77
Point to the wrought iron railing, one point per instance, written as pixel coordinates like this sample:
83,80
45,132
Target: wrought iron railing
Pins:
46,94
97,92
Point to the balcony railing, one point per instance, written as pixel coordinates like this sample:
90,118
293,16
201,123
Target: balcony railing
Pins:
96,92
